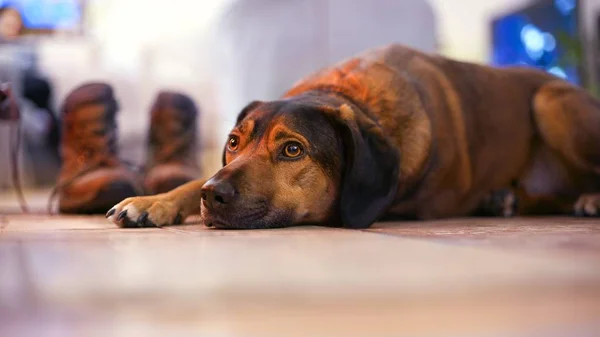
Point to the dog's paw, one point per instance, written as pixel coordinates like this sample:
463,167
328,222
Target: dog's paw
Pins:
500,203
588,205
149,211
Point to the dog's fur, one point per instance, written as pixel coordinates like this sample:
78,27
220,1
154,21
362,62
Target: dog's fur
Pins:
398,132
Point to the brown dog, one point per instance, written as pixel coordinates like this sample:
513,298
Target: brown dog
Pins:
397,132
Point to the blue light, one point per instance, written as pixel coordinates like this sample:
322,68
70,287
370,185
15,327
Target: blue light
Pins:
47,14
533,39
549,42
565,6
558,71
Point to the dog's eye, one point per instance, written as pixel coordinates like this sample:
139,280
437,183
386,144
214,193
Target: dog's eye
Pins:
233,143
292,150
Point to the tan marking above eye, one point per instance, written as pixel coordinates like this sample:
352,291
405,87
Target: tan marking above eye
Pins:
246,126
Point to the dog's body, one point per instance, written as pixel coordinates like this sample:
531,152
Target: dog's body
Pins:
419,136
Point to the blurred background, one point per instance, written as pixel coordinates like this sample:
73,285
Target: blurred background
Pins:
224,53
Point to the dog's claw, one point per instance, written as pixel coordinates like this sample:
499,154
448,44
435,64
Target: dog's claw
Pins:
147,222
110,212
122,215
142,221
178,219
500,203
588,205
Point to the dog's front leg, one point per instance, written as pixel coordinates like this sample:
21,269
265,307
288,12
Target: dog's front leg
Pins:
159,210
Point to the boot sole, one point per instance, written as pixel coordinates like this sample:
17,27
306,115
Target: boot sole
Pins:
106,198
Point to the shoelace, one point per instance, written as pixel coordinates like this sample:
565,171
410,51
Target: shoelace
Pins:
65,183
170,136
11,109
86,169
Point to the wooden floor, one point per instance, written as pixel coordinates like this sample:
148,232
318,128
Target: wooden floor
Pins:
80,276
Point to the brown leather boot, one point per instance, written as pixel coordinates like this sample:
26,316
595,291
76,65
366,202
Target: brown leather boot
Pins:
172,159
92,178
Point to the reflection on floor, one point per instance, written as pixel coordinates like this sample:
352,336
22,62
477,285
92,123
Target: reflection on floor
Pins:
80,276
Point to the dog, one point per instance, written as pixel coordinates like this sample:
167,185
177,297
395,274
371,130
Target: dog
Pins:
397,132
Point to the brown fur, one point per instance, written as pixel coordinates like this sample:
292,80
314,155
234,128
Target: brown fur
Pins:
422,137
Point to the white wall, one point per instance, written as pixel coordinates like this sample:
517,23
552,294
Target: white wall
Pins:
265,46
141,46
464,25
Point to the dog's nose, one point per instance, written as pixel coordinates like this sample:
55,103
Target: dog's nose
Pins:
217,193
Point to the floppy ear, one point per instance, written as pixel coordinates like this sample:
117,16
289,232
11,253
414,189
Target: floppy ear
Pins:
371,171
251,106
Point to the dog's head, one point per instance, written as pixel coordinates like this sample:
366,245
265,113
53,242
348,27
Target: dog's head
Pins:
303,160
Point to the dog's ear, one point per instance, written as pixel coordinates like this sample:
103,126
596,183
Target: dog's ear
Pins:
371,171
245,111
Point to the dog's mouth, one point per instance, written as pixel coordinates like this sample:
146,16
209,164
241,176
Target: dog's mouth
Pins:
214,221
214,224
236,219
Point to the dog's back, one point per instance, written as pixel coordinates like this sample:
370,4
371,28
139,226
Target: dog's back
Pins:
463,129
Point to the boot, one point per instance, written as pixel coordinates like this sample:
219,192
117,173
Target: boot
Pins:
172,159
92,179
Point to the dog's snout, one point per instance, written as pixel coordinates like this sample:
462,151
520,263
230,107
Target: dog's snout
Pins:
217,193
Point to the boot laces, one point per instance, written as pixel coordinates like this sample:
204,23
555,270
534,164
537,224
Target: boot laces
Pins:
171,136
